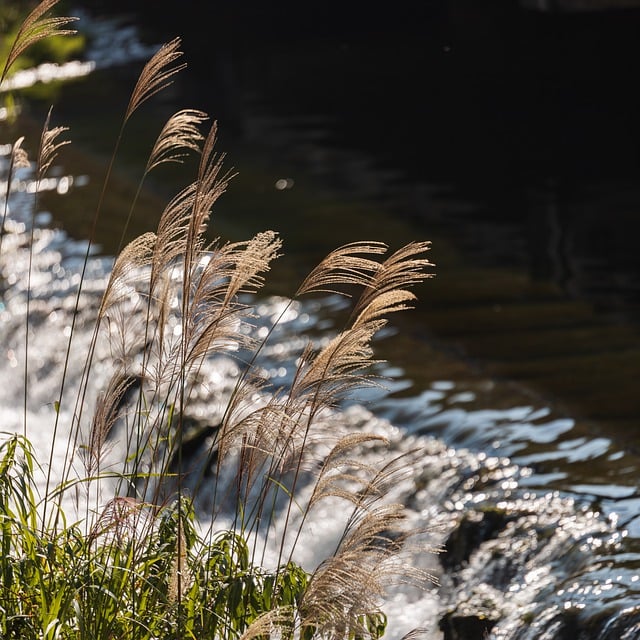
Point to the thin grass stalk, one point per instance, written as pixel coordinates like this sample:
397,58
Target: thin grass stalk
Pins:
46,155
241,380
205,188
80,399
192,245
206,192
152,79
17,160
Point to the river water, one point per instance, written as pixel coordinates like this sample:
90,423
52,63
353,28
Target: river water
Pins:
515,376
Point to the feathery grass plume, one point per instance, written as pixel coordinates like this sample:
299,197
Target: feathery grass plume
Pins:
120,519
244,418
415,634
343,266
340,471
385,304
279,622
171,235
36,27
345,590
260,439
180,239
209,186
179,134
160,251
107,410
212,310
342,365
19,157
253,258
185,218
213,318
342,475
156,75
400,270
135,256
49,146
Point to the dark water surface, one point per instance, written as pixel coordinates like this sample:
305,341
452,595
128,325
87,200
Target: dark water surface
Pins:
507,138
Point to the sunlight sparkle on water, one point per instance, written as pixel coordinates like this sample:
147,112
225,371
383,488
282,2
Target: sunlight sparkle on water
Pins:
46,73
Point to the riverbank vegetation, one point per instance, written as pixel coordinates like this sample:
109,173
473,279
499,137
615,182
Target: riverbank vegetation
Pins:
172,540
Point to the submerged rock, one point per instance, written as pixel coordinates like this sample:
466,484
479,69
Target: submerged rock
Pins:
474,528
474,618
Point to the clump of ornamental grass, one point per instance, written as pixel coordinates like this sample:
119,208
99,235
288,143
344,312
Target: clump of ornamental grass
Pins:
140,562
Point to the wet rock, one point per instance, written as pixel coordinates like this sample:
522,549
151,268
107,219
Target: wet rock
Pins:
473,619
625,626
198,448
578,623
474,528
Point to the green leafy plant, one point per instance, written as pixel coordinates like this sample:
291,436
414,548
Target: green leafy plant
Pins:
171,543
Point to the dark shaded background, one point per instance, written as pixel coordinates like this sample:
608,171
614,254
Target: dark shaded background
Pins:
509,106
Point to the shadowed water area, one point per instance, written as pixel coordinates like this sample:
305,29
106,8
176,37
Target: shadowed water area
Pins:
507,138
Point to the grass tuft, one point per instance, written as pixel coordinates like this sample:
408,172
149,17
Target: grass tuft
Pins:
175,522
